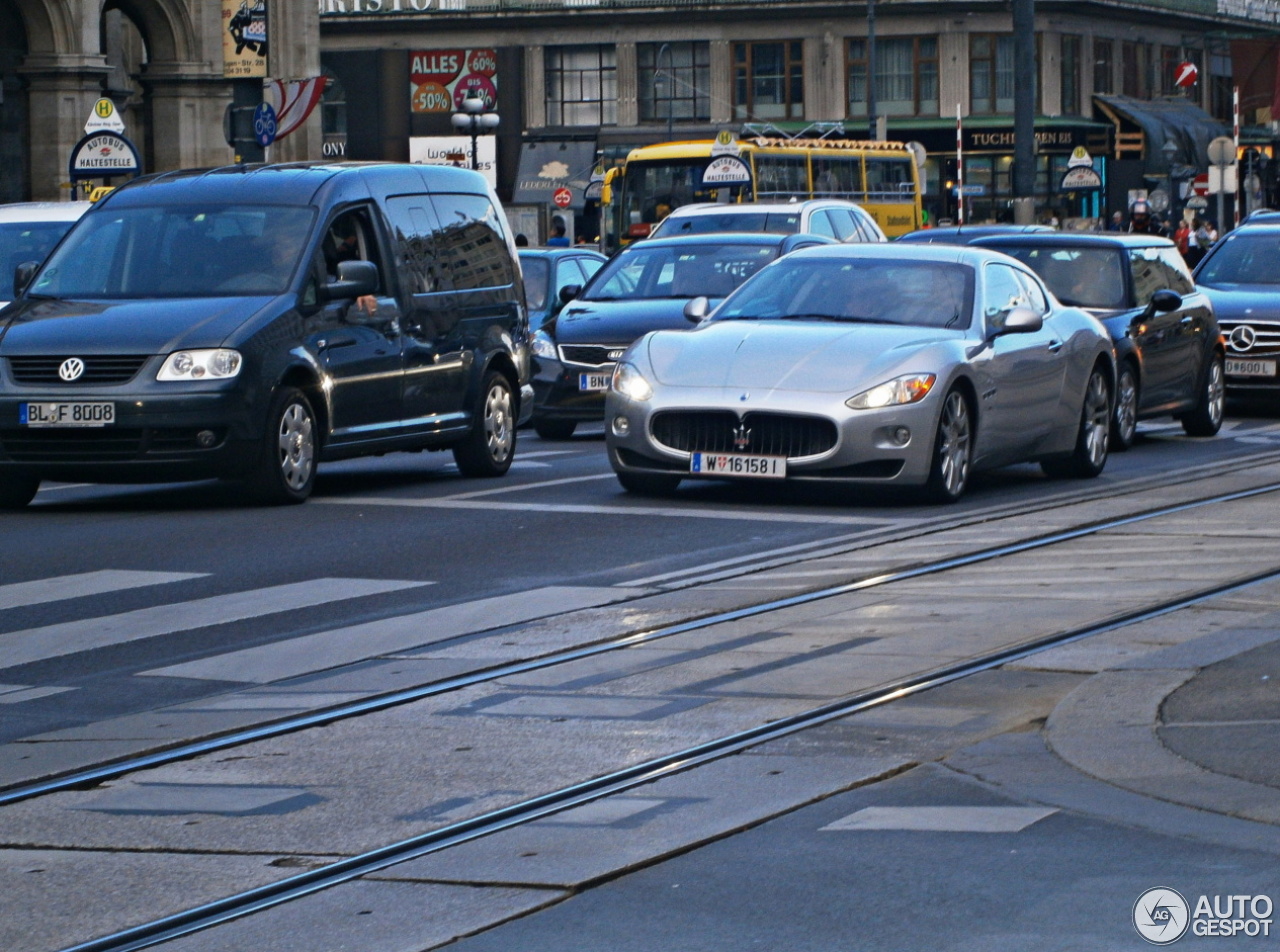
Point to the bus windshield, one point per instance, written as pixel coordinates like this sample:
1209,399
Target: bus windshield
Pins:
652,189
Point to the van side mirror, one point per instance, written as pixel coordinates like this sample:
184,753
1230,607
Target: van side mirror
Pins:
355,279
697,310
569,292
22,276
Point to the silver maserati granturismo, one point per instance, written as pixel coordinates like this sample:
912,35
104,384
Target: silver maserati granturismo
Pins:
888,364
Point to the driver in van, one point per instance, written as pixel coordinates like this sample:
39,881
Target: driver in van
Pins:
343,244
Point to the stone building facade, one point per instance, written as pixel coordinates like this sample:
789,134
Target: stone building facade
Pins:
160,61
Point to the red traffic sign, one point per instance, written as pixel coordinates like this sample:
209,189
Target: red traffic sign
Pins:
1186,74
562,197
1200,184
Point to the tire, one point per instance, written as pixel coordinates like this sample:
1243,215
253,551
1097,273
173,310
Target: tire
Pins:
555,429
1124,420
648,484
16,491
286,471
489,448
1089,457
952,451
1206,418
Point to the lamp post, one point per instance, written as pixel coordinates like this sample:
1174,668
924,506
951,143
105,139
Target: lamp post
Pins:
1170,150
474,120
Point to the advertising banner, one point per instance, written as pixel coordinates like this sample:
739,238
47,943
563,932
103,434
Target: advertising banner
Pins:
440,79
244,39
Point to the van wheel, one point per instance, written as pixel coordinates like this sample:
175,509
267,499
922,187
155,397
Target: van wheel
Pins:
490,446
286,470
555,429
17,491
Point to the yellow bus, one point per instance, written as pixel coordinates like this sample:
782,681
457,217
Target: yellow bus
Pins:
882,177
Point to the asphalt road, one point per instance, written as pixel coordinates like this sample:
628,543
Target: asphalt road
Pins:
386,537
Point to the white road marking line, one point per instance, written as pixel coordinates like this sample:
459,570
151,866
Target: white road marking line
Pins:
741,515
943,819
327,649
54,641
20,694
41,591
506,489
536,453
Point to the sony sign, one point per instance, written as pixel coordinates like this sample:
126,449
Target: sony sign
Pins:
332,7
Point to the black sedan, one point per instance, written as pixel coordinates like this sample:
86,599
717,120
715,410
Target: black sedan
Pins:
547,271
1169,351
643,288
1241,276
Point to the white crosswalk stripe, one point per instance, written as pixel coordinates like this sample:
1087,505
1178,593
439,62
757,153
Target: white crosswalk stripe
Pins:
327,649
64,638
45,590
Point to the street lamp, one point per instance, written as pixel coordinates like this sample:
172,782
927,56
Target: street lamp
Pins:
474,120
1170,151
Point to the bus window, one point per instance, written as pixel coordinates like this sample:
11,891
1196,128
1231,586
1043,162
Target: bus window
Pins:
837,176
888,177
779,177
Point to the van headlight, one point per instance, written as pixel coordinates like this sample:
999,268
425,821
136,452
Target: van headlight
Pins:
909,389
629,382
220,364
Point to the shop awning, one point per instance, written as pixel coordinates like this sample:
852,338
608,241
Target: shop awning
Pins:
1169,119
553,164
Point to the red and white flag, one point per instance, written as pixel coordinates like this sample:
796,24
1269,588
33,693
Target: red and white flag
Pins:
293,100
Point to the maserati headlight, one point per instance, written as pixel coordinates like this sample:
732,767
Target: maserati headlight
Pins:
201,365
629,382
544,346
909,389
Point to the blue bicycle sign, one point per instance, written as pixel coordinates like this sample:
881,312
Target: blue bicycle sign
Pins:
264,124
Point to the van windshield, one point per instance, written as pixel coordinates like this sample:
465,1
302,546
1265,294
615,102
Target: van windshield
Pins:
188,251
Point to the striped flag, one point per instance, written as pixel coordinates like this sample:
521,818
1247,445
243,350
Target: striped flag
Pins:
293,101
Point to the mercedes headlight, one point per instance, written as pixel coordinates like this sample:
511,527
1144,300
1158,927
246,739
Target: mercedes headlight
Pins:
909,389
629,382
218,364
544,346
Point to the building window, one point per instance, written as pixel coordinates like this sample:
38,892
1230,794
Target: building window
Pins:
1170,57
1069,64
582,85
1131,70
1103,66
906,76
768,80
991,73
675,84
1220,104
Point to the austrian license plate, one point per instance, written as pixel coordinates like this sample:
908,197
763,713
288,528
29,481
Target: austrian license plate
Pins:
739,464
66,414
594,381
1251,368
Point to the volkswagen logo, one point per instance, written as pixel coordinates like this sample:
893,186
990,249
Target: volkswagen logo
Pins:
72,369
1243,337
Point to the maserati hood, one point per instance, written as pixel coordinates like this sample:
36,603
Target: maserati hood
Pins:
796,355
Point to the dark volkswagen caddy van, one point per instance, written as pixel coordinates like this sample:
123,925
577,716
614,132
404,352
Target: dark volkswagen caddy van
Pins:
248,322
